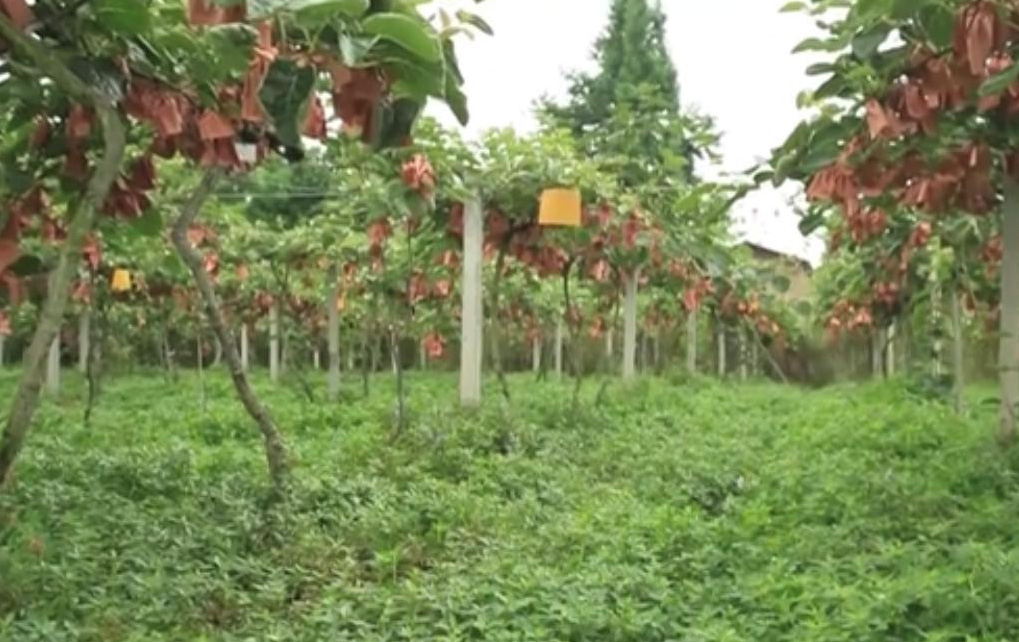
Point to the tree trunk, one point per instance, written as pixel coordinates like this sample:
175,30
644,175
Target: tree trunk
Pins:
629,326
245,363
1008,346
472,309
53,367
316,358
84,335
274,343
691,341
217,355
275,452
958,352
2,340
107,169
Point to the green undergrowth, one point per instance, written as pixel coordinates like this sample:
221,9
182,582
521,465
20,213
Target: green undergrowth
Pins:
676,511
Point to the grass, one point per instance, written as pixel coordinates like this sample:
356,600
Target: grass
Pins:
678,510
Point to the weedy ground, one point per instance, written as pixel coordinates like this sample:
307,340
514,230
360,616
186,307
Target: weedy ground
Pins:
676,511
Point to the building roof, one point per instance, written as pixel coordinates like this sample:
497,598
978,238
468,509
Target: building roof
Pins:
775,254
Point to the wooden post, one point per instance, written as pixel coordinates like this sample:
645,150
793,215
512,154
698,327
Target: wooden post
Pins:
53,367
630,326
333,336
559,349
721,351
83,340
1008,341
890,344
875,354
958,349
244,347
472,312
691,341
274,343
744,356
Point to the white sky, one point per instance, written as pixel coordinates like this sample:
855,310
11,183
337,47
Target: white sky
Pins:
734,63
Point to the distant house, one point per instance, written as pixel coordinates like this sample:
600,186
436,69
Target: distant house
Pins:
797,270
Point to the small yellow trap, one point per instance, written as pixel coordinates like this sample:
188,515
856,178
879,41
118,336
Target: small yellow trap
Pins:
560,206
121,281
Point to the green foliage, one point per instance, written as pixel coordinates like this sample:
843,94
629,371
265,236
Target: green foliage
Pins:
703,513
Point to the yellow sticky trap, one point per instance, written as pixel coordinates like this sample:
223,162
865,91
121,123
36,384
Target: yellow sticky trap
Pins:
121,281
560,206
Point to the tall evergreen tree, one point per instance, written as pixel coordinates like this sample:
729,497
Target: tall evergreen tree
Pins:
628,113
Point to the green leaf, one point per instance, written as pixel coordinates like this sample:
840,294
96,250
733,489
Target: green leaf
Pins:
320,11
820,68
866,43
150,223
129,17
27,265
999,82
101,74
791,7
353,49
412,35
284,95
811,44
834,86
938,22
804,308
475,21
781,283
864,9
811,223
394,122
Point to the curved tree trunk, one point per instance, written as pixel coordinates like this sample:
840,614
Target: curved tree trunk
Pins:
53,366
1008,346
275,452
245,362
26,399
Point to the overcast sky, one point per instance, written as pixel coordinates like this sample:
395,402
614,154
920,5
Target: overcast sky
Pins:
733,59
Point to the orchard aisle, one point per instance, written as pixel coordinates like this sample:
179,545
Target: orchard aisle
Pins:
676,509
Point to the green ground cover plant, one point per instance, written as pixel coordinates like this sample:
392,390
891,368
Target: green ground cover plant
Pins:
676,510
